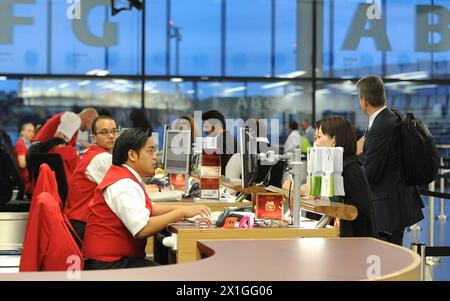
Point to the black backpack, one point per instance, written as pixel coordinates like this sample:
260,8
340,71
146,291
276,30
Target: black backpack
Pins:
420,160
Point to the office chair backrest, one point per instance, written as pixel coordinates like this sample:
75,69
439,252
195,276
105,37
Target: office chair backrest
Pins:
48,230
9,171
56,164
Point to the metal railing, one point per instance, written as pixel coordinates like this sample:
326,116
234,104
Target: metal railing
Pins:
430,254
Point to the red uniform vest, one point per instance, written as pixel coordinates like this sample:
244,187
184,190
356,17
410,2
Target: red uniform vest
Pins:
21,149
106,238
48,131
82,188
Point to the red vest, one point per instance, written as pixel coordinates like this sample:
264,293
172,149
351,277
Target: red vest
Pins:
48,130
81,187
69,158
21,149
106,238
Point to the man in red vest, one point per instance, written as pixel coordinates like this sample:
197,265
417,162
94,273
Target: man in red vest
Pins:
122,215
66,125
90,171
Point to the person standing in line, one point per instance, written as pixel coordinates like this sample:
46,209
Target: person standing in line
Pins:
396,204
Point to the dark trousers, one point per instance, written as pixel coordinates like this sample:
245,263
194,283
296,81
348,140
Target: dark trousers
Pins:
79,227
124,263
394,237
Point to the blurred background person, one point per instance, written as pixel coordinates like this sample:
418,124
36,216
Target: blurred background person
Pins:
139,119
214,126
308,130
27,133
295,140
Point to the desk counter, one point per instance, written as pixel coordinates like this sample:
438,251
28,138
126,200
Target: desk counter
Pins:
188,235
271,260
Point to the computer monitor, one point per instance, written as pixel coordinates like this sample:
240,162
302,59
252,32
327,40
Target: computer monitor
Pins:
166,128
177,151
249,162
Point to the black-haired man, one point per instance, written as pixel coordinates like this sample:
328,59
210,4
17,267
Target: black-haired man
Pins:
90,171
122,215
214,126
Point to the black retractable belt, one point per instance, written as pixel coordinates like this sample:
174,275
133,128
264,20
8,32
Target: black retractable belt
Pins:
434,194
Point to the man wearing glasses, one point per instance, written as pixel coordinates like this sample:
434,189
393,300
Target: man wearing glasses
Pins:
122,215
90,171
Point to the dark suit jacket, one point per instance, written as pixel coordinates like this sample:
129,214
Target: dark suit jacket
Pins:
396,205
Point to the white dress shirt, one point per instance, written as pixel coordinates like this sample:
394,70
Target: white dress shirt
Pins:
373,116
69,124
99,165
126,199
292,141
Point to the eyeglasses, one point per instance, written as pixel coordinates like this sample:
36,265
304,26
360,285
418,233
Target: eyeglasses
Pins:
115,132
151,151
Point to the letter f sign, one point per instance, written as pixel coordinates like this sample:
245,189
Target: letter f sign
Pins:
73,12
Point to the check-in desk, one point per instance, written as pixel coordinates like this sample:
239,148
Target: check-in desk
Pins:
187,236
269,260
213,205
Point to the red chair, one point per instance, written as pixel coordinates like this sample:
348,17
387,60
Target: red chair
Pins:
49,244
46,182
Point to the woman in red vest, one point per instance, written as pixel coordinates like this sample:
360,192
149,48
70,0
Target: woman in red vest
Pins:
122,215
20,153
90,171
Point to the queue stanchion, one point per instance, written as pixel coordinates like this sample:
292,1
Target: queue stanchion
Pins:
431,260
419,248
442,217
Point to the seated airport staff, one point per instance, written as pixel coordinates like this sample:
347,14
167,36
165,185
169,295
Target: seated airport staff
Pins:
90,171
20,152
66,125
334,132
122,215
215,126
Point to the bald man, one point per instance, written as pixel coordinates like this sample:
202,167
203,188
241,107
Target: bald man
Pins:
65,125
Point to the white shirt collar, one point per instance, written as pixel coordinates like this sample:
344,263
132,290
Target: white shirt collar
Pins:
374,115
138,177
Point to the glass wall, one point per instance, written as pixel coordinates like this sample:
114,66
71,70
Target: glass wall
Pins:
249,59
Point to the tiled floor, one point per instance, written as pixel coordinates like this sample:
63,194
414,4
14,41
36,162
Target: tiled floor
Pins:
441,269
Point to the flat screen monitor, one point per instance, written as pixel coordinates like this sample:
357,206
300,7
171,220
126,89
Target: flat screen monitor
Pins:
166,128
177,151
249,162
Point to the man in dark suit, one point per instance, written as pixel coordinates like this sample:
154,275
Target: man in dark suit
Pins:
396,204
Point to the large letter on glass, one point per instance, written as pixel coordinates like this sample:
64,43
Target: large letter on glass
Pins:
377,30
8,20
81,30
425,27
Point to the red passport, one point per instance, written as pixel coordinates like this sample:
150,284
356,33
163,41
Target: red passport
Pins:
269,205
